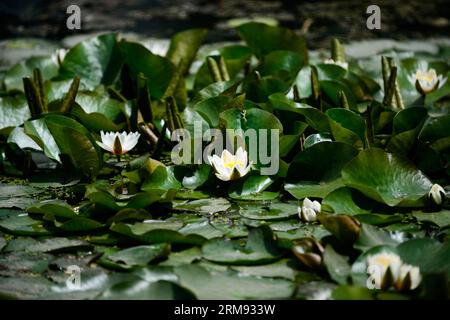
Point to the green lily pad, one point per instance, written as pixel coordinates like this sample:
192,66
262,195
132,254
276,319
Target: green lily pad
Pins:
187,256
263,39
96,61
253,188
184,46
276,211
315,172
429,255
210,206
13,77
210,284
158,70
440,218
386,178
37,129
371,236
156,231
14,111
50,245
348,201
136,256
314,117
337,265
144,290
9,191
347,126
284,268
348,292
259,249
21,224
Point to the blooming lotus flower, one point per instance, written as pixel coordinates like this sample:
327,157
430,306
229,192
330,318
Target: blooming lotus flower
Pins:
437,193
309,210
386,267
338,63
230,167
118,143
409,278
426,81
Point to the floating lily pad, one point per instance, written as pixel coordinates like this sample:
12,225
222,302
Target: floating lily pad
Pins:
157,232
136,256
386,178
259,249
372,236
144,290
276,211
51,245
207,284
348,201
210,206
315,172
440,218
22,224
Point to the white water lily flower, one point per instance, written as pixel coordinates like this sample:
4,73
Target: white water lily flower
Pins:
118,143
338,63
437,193
409,278
385,267
426,81
230,167
309,210
59,55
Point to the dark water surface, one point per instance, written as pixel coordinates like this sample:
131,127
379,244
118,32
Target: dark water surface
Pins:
162,18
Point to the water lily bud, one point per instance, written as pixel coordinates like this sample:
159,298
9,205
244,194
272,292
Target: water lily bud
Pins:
409,278
230,167
309,252
118,143
309,210
308,215
437,194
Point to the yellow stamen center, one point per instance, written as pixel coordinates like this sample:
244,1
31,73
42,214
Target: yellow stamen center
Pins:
232,163
425,76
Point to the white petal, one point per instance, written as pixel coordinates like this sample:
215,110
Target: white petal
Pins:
105,147
308,214
442,80
299,212
414,274
122,137
437,193
307,203
216,162
385,260
227,157
221,170
108,138
243,171
426,86
241,157
223,177
130,142
316,206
